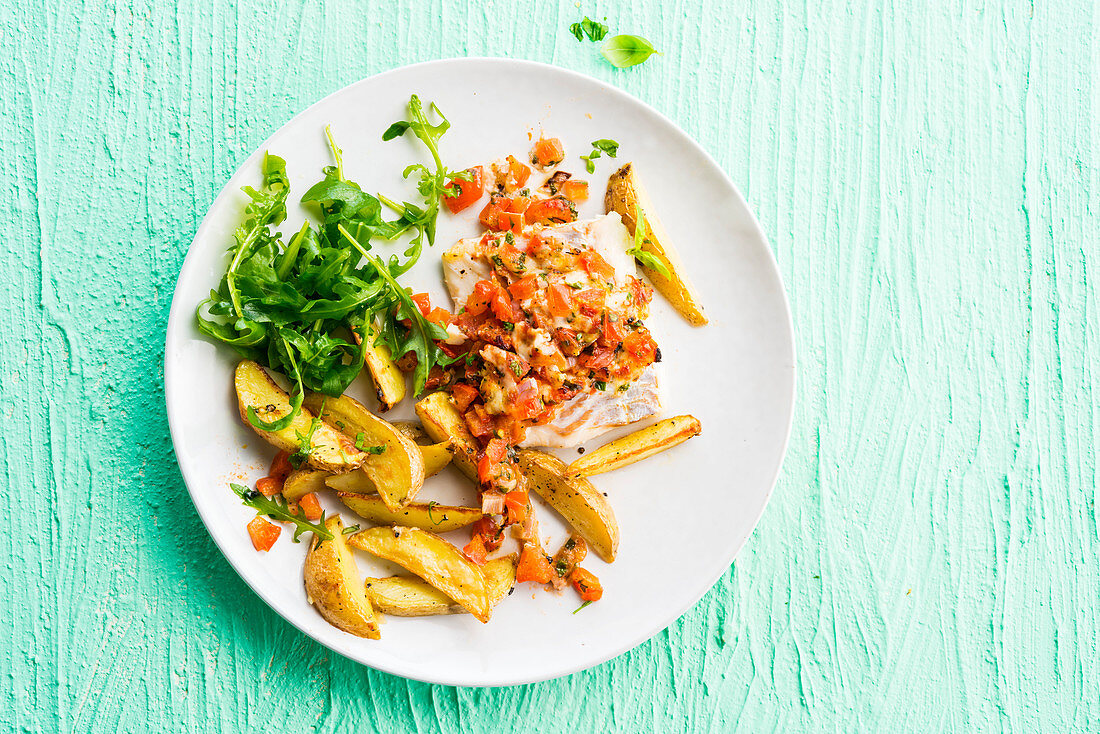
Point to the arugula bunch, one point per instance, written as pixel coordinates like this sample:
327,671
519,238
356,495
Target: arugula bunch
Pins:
291,305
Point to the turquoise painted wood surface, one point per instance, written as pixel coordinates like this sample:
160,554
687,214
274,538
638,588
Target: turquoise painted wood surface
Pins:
927,174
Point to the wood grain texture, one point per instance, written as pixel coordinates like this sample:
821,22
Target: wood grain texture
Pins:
927,175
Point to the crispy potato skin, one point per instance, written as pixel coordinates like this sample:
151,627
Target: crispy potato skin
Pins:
389,380
334,586
576,500
633,447
331,451
301,482
623,191
409,596
443,422
436,518
397,472
433,559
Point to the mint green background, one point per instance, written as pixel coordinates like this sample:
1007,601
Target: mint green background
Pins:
927,175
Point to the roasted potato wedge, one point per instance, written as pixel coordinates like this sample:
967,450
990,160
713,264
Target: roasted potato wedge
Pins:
624,191
397,472
576,500
436,455
389,380
431,516
636,446
443,422
330,450
301,482
433,559
410,596
335,587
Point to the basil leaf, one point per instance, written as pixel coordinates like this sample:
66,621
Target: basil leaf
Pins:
577,32
624,51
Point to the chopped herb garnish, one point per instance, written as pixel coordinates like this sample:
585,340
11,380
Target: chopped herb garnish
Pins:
624,387
431,506
508,325
582,606
351,529
276,507
361,444
305,442
588,27
601,385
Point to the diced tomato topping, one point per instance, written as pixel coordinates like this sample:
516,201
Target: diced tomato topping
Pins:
640,344
517,203
468,191
557,210
510,222
280,466
502,306
533,566
575,191
497,450
527,404
475,550
612,330
516,505
263,533
423,302
600,358
589,298
585,583
269,486
479,422
547,152
491,212
463,395
525,287
518,172
311,508
440,316
479,300
594,264
492,535
558,299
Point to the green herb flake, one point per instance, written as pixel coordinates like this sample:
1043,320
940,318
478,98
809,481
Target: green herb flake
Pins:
361,444
582,606
625,51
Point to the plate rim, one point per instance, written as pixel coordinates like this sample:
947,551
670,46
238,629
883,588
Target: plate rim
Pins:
179,313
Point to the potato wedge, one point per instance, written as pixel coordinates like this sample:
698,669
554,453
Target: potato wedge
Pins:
397,472
335,587
640,444
330,450
410,596
436,455
442,421
430,516
389,380
433,559
301,482
576,500
624,190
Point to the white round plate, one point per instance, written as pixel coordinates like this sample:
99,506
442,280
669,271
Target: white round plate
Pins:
683,514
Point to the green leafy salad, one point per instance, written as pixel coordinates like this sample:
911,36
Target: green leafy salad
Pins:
291,304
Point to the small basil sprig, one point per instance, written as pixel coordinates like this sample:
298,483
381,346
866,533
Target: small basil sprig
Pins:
624,51
603,145
645,258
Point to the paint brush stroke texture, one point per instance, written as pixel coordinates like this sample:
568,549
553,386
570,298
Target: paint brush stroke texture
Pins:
927,173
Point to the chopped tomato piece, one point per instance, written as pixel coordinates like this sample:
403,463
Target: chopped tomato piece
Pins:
463,395
280,466
533,566
503,307
489,215
547,152
439,316
575,191
492,535
585,583
525,287
640,344
481,297
497,450
612,330
516,505
263,533
594,264
589,298
510,222
269,486
311,508
568,341
423,302
600,358
479,422
527,404
557,210
518,172
475,550
557,297
468,191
